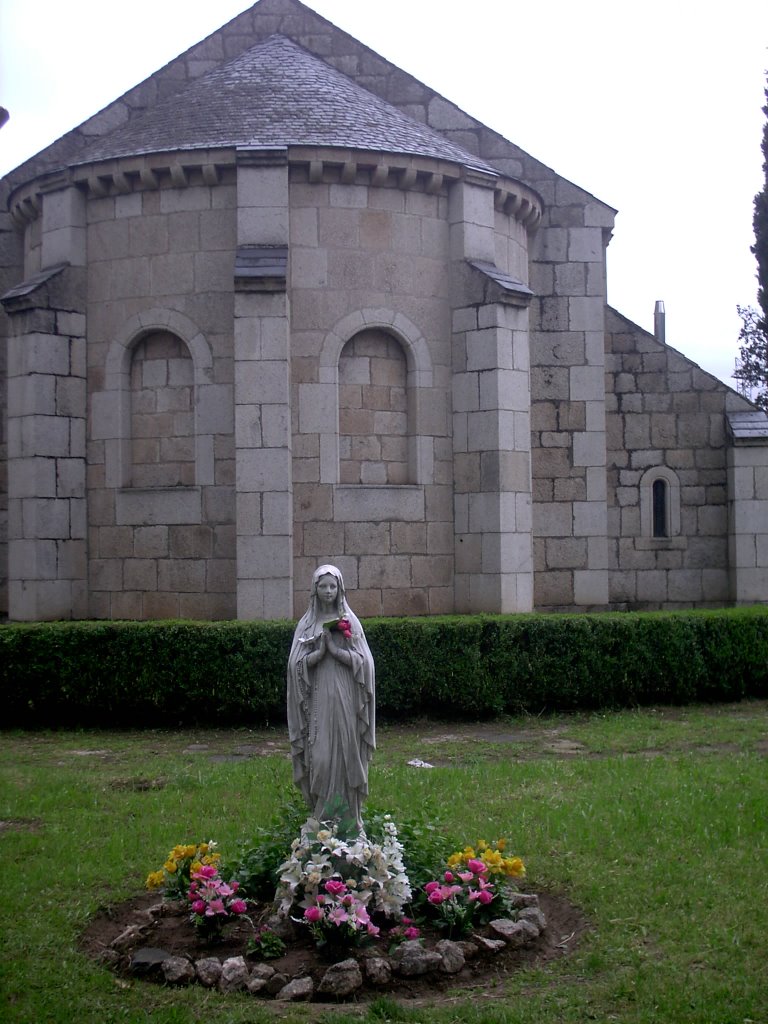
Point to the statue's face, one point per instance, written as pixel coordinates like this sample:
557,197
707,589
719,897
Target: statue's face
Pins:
327,589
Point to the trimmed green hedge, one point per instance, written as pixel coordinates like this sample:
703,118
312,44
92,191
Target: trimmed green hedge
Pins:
223,673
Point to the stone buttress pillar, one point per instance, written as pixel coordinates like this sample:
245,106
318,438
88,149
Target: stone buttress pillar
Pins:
262,380
47,521
748,506
491,414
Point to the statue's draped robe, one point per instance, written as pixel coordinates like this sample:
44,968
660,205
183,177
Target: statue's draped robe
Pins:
331,717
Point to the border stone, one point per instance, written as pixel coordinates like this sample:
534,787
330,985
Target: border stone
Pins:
341,979
234,974
177,970
296,991
208,971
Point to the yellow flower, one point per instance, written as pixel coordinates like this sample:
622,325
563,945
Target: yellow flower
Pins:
500,844
203,848
155,879
194,866
454,860
189,851
482,845
170,866
514,867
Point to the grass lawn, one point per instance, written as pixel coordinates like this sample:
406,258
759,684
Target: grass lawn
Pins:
654,822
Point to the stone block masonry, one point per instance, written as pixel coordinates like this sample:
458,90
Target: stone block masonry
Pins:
47,521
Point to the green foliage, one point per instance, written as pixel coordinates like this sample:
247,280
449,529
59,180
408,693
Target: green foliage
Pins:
752,364
143,673
664,854
422,834
266,945
256,867
152,674
483,665
760,225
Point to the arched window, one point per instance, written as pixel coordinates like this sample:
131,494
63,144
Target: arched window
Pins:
659,504
660,508
373,410
162,406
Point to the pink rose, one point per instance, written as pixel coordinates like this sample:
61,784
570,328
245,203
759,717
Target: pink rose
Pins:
466,876
238,906
431,886
448,876
313,914
476,866
335,888
484,896
372,929
216,907
206,871
198,907
435,897
412,933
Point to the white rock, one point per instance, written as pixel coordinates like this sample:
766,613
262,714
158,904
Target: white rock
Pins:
208,971
452,956
234,974
341,979
297,990
177,970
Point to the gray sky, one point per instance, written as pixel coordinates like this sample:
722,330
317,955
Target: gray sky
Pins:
655,108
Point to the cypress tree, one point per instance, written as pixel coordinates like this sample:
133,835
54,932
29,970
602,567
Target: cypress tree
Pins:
752,365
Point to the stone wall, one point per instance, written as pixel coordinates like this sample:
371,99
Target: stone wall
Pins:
568,403
370,330
665,419
161,448
398,400
11,271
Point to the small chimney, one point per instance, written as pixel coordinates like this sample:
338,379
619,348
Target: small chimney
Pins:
659,322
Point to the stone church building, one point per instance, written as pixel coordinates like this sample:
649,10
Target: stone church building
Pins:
282,304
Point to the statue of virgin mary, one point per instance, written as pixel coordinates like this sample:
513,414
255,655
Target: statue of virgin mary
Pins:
331,703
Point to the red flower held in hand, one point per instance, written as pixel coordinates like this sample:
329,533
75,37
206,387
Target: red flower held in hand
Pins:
345,628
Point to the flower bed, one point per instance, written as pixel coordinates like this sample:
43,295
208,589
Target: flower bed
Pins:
137,937
345,917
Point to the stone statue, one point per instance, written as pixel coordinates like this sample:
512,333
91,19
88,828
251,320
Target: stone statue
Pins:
331,703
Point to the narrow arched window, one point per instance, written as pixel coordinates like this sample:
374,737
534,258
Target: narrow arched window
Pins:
373,410
660,508
659,505
162,412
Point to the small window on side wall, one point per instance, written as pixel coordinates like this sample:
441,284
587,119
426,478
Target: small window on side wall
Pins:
659,503
660,507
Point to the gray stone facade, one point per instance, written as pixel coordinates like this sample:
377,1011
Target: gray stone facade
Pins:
341,320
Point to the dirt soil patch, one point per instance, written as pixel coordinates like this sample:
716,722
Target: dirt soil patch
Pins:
173,933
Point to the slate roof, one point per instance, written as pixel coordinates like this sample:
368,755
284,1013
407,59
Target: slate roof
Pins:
748,426
275,94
